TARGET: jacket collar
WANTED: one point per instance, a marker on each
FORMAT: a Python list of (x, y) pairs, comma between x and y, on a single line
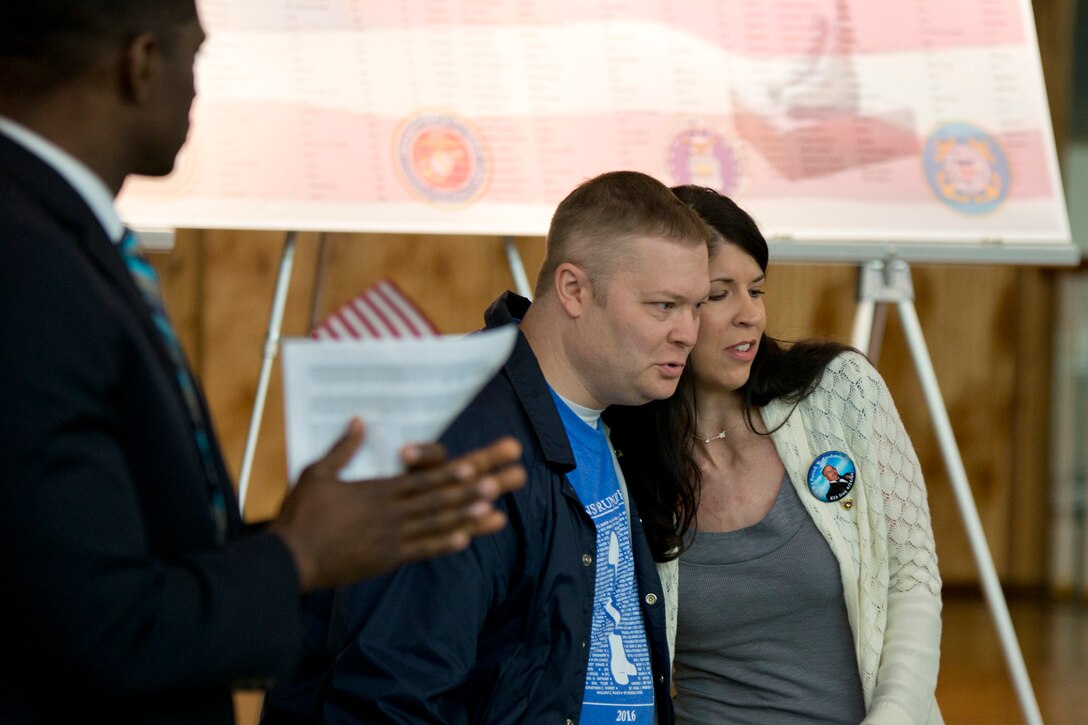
[(90, 187), (525, 376), (31, 176)]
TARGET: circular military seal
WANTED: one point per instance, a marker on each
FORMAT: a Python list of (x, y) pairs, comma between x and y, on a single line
[(699, 155), (831, 476), (966, 168), (441, 159)]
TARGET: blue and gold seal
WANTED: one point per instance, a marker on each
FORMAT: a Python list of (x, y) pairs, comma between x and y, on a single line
[(966, 168)]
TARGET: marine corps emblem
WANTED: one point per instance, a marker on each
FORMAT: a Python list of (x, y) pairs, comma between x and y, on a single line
[(441, 159)]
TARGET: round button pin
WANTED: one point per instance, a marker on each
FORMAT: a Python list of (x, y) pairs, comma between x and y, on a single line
[(831, 476)]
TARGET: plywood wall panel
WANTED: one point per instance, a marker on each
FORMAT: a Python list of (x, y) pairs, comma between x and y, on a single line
[(1029, 494), (965, 313), (975, 318)]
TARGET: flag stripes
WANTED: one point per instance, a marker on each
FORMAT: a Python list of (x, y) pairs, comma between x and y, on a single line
[(381, 310)]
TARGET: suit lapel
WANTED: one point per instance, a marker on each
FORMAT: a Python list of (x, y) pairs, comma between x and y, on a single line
[(63, 204)]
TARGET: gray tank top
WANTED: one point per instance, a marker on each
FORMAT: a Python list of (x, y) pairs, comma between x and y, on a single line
[(762, 635)]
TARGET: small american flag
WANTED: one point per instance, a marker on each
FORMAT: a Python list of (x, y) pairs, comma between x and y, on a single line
[(381, 310)]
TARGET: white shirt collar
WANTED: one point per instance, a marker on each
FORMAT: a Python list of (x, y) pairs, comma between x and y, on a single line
[(589, 415), (86, 183)]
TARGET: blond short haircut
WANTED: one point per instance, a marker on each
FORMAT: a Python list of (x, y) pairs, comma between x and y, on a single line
[(594, 224)]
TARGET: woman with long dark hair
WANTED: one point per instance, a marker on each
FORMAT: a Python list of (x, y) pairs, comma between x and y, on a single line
[(785, 505)]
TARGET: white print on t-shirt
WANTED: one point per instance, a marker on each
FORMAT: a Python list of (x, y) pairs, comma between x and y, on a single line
[(622, 668)]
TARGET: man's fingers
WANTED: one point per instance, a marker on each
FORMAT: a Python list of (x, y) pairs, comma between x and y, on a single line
[(484, 469), (502, 452), (441, 491), (454, 504), (429, 492), (342, 450), (492, 522), (423, 455), (433, 509), (446, 510), (509, 479), (442, 521), (444, 540), (485, 472)]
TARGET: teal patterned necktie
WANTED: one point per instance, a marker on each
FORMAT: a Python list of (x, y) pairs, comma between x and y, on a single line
[(147, 280)]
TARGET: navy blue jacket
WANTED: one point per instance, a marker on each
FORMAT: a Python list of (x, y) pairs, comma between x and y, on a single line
[(499, 632)]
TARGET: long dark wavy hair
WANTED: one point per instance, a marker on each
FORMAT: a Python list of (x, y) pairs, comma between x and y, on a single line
[(657, 440)]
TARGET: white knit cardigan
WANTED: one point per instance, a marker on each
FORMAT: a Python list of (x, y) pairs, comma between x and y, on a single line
[(880, 533)]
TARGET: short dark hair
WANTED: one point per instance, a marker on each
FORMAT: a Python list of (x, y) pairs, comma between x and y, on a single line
[(724, 216), (45, 44), (592, 224)]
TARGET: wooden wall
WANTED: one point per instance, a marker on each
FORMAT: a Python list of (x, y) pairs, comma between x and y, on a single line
[(988, 330)]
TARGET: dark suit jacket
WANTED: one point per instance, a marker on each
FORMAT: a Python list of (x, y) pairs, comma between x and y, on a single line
[(117, 604)]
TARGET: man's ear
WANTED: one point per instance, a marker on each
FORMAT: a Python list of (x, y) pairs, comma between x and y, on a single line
[(573, 289), (141, 67)]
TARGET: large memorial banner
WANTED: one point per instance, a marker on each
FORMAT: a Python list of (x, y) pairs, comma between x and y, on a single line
[(875, 121)]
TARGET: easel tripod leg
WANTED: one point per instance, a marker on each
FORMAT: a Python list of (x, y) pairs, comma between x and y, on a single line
[(517, 268), (991, 585), (271, 348), (862, 336)]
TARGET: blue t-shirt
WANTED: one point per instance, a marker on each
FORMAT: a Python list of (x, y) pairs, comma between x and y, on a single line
[(619, 681)]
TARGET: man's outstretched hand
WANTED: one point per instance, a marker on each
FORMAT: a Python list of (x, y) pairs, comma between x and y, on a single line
[(341, 531)]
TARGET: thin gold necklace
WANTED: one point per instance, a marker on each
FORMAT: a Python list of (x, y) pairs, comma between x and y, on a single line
[(711, 438)]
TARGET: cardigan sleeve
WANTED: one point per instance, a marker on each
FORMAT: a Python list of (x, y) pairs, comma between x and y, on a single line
[(907, 675)]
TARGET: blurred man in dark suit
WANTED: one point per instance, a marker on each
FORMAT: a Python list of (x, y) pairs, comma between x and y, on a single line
[(131, 591)]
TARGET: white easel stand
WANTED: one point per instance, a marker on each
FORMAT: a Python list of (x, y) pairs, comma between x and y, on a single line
[(272, 342), (271, 349), (517, 268), (890, 282)]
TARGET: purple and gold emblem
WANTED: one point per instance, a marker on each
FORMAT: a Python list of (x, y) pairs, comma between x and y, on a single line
[(703, 157)]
